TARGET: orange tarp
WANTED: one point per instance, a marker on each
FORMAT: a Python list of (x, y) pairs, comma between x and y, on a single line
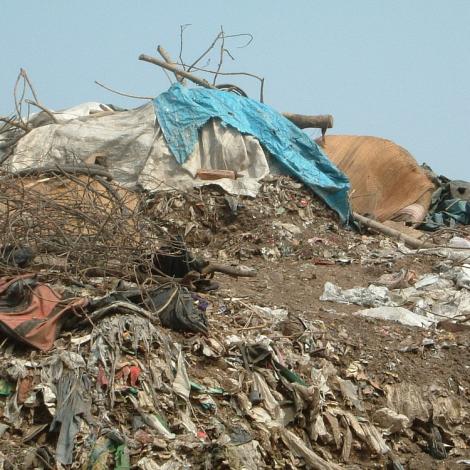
[(384, 176)]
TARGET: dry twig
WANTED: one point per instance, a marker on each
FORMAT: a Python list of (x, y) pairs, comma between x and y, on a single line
[(128, 95)]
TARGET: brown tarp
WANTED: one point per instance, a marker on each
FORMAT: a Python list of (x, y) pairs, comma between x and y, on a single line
[(385, 178)]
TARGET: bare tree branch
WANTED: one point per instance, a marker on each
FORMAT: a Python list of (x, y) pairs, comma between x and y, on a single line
[(250, 40), (175, 69), (33, 91), (200, 69), (261, 79), (204, 53), (12, 122), (167, 58), (221, 57), (182, 28), (43, 108), (15, 96), (124, 94)]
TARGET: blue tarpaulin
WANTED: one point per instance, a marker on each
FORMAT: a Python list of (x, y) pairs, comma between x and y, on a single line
[(182, 111)]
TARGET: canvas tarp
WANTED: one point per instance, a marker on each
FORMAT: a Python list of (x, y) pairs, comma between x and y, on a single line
[(183, 111), (384, 177), (132, 147)]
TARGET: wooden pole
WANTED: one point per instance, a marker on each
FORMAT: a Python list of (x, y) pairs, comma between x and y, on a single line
[(391, 232), (322, 121), (176, 70), (166, 56)]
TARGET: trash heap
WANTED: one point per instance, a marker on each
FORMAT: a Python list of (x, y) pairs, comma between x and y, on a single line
[(185, 285), (133, 359)]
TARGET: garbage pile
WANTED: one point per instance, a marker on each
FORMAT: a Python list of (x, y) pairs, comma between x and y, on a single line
[(434, 297), (124, 369), (161, 272)]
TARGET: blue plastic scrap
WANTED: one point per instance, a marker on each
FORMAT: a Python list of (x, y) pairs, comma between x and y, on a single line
[(182, 111)]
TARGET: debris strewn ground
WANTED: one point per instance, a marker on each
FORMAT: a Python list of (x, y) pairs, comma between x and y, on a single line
[(279, 379)]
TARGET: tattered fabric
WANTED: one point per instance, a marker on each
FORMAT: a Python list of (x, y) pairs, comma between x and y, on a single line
[(32, 312)]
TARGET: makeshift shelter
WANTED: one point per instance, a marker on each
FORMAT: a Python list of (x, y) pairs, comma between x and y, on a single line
[(197, 129), (386, 181)]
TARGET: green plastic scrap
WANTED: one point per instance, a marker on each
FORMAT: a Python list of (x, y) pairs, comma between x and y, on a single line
[(195, 387), (99, 455), (288, 374), (6, 388), (121, 458), (162, 420), (103, 448)]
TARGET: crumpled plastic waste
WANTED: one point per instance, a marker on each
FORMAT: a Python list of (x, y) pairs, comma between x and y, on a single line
[(390, 421), (107, 447), (450, 203), (171, 305), (372, 296), (178, 262), (19, 256), (67, 372), (176, 310), (400, 280), (459, 242), (396, 314), (434, 296)]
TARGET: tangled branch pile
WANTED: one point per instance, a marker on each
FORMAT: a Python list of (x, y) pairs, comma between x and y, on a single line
[(79, 224)]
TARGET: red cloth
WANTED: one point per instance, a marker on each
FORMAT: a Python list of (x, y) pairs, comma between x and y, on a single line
[(38, 323)]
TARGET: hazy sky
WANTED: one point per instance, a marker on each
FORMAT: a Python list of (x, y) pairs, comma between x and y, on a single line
[(394, 69)]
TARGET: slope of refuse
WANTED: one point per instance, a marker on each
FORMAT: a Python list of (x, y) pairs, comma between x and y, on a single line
[(223, 370)]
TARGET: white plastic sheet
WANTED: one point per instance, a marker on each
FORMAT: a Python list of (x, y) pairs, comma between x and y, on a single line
[(135, 151), (396, 314)]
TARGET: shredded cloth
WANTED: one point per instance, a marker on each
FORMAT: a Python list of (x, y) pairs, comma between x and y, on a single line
[(32, 312)]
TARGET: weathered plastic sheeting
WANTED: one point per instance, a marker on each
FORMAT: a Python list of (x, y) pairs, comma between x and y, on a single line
[(432, 298), (385, 178), (450, 202), (182, 111), (135, 152)]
